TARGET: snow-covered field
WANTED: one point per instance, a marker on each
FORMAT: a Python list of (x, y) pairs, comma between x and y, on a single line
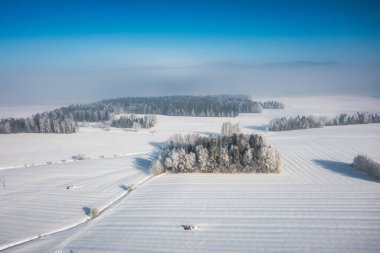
[(36, 201), (318, 204)]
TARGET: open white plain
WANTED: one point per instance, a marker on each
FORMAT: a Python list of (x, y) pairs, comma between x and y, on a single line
[(318, 204)]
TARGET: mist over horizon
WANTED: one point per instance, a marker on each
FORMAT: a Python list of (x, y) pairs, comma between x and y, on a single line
[(285, 80), (84, 51)]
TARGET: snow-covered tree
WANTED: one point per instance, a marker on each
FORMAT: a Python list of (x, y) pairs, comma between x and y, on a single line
[(247, 159), (224, 160), (186, 161), (136, 126), (269, 161), (172, 161), (7, 127), (202, 157), (157, 167), (229, 129)]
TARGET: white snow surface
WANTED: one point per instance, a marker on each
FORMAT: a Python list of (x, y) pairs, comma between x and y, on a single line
[(36, 201), (318, 204)]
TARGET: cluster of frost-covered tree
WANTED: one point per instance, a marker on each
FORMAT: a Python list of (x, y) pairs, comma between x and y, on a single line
[(298, 122), (304, 122), (368, 165), (51, 122), (358, 118), (237, 153), (62, 120), (272, 105), (134, 121)]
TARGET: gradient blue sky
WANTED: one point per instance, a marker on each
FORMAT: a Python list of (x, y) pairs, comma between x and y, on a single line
[(121, 48)]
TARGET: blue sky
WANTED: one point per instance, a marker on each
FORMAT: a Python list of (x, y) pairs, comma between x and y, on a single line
[(29, 19), (123, 43)]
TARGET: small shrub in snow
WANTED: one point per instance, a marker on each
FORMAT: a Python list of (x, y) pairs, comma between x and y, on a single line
[(94, 212), (189, 227), (368, 165), (131, 187), (81, 157), (69, 187)]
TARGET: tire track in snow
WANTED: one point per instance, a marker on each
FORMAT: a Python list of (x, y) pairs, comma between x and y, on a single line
[(72, 160), (129, 177), (101, 216)]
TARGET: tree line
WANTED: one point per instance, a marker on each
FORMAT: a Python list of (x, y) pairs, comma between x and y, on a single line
[(40, 123), (272, 105), (65, 119), (237, 153), (298, 122), (199, 106), (357, 118), (134, 121), (305, 122)]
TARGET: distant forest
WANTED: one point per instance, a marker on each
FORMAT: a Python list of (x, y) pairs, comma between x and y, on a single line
[(134, 121), (305, 122), (47, 122), (272, 105), (199, 106), (65, 119)]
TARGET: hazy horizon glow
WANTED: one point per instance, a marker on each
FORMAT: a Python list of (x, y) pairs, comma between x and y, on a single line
[(99, 49)]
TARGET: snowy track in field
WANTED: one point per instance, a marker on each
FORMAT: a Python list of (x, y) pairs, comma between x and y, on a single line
[(35, 206)]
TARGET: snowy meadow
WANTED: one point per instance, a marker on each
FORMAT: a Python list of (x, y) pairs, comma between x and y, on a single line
[(318, 203)]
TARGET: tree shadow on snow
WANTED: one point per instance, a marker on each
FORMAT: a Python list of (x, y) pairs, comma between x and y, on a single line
[(158, 145), (124, 187), (344, 169), (143, 164), (258, 127), (86, 210)]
